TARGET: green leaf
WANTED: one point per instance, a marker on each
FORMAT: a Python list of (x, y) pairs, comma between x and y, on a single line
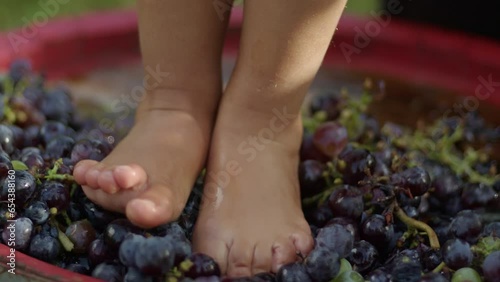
[(18, 165)]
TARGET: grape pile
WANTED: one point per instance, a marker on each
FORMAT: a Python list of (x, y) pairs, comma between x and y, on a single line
[(384, 203)]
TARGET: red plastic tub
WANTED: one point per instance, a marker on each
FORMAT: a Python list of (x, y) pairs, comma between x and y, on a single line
[(415, 54)]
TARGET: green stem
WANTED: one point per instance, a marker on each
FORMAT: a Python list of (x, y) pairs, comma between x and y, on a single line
[(65, 241), (410, 222), (439, 267)]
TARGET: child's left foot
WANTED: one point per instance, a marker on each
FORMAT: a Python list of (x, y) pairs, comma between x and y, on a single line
[(251, 219)]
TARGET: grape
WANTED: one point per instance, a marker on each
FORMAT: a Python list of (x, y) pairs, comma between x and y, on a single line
[(135, 275), (447, 185), (32, 136), (416, 179), (88, 150), (18, 69), (346, 201), (355, 164), (109, 272), (457, 254), (129, 248), (60, 146), (467, 274), (81, 233), (376, 231), (182, 249), (33, 160), (319, 216), (17, 234), (56, 195), (433, 277), (478, 196), (335, 238), (52, 129), (330, 138), (38, 212), (78, 268), (429, 257), (24, 184), (294, 272), (311, 178), (309, 151), (326, 103), (172, 229), (363, 256), (99, 252), (44, 247), (17, 136), (349, 276), (99, 217), (379, 275), (115, 232), (349, 224), (203, 266), (467, 226), (57, 105), (406, 270), (322, 264), (491, 267), (155, 255), (5, 165), (492, 229)]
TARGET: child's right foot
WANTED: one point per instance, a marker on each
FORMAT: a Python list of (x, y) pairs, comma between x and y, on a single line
[(149, 175)]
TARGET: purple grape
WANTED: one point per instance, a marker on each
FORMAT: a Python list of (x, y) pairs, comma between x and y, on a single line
[(22, 183), (379, 275), (330, 138), (322, 264), (52, 129), (81, 233), (18, 69), (326, 103), (203, 266), (467, 226), (346, 201), (309, 151), (355, 165), (99, 252), (319, 216), (56, 195), (349, 224), (336, 238), (433, 277), (457, 254), (135, 275), (88, 150), (38, 212), (117, 230), (415, 179), (109, 272), (311, 178), (44, 247), (155, 255), (491, 267), (129, 248), (17, 234), (492, 229), (59, 147), (363, 256), (376, 231), (478, 196), (293, 272)]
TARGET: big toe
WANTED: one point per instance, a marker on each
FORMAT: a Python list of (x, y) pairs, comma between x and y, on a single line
[(153, 207), (81, 169)]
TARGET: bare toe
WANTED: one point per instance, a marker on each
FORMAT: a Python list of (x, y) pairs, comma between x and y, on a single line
[(153, 207), (106, 182), (262, 259), (283, 253), (303, 242), (81, 169), (130, 176), (240, 259), (92, 175)]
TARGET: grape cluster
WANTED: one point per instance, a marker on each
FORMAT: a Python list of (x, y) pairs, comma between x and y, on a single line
[(381, 205)]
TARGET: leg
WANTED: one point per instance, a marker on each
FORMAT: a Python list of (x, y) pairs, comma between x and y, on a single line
[(251, 219), (149, 175)]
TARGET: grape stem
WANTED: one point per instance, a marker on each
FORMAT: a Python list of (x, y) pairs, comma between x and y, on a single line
[(410, 222), (439, 267)]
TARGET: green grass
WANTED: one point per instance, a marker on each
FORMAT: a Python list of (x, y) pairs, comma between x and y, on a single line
[(15, 13)]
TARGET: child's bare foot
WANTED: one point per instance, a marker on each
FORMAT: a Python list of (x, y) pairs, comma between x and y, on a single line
[(251, 219), (149, 175)]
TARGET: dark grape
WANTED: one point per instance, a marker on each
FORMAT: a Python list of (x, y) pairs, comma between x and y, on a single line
[(415, 179), (18, 69), (128, 249), (492, 229), (52, 129), (447, 185), (135, 275), (6, 139), (99, 217), (355, 165), (155, 255), (44, 247), (363, 256), (33, 160), (57, 105), (5, 165), (88, 150), (78, 268), (330, 138), (202, 266), (349, 224), (478, 196), (346, 201), (117, 230), (457, 254), (311, 178), (406, 270), (294, 272), (491, 267), (319, 216), (22, 183), (467, 226), (336, 238), (38, 212), (59, 147), (329, 104), (433, 277), (99, 252), (56, 195), (376, 231), (379, 275), (309, 151), (109, 272), (322, 264), (81, 233), (17, 234)]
